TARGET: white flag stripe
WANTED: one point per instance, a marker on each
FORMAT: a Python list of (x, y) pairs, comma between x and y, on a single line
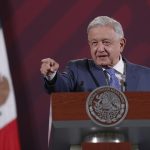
[(8, 109)]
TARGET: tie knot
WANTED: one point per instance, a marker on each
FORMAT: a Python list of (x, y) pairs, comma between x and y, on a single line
[(110, 71)]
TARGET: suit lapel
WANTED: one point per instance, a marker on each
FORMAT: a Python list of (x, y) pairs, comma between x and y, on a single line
[(97, 74), (131, 77)]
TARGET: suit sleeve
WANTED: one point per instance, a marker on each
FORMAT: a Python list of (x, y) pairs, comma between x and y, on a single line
[(63, 82)]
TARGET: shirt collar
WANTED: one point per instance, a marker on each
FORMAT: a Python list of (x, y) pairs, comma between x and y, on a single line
[(119, 67)]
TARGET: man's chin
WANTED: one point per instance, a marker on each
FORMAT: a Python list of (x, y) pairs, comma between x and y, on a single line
[(103, 64)]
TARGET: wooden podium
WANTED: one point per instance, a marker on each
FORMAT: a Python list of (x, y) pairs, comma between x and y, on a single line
[(71, 123)]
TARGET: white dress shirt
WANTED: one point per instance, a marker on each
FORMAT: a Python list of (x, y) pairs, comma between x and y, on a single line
[(119, 67)]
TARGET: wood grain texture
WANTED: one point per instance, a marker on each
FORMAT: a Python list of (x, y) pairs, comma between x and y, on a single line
[(72, 106)]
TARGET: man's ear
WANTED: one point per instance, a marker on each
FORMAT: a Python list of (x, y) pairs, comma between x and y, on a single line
[(122, 44)]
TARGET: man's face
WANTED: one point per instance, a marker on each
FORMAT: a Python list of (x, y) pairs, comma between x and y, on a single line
[(105, 45)]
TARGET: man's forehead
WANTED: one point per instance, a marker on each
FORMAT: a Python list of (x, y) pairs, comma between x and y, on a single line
[(102, 32)]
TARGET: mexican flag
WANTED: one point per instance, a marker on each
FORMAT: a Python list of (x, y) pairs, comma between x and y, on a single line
[(9, 139)]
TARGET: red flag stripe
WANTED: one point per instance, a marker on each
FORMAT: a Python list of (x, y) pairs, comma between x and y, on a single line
[(9, 137)]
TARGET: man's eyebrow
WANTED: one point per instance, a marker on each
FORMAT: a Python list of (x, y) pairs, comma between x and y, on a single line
[(92, 40)]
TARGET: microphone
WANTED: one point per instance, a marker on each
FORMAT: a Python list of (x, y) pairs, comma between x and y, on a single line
[(123, 83)]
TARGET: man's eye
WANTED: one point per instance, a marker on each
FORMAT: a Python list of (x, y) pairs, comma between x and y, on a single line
[(107, 43), (94, 43)]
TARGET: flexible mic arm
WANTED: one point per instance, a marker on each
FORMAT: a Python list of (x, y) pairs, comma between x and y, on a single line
[(123, 83)]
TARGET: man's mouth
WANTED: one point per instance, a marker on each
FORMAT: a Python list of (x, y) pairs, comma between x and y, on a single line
[(102, 56)]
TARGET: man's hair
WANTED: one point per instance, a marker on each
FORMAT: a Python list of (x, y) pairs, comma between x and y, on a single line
[(106, 21)]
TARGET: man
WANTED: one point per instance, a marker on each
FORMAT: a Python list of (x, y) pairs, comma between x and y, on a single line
[(106, 41)]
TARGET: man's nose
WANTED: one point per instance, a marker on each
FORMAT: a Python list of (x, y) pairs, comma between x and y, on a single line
[(100, 47)]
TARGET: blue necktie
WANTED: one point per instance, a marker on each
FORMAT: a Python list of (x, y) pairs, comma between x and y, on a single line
[(114, 82)]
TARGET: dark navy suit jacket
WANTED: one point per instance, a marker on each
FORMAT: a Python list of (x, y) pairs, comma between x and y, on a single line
[(84, 75)]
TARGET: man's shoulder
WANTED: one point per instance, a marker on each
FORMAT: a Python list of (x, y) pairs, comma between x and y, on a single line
[(81, 64), (138, 67), (82, 60)]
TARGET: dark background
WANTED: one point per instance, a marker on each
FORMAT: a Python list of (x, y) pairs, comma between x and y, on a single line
[(36, 29)]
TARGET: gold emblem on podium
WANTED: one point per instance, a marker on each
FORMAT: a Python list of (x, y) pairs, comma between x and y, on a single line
[(106, 106)]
